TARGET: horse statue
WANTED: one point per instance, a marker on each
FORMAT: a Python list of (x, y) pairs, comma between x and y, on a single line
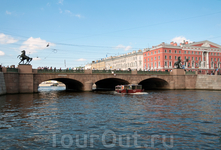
[(178, 63), (23, 57)]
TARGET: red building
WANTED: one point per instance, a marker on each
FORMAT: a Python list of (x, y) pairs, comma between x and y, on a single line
[(203, 56)]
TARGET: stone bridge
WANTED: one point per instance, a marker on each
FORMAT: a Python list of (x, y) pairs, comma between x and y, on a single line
[(24, 79)]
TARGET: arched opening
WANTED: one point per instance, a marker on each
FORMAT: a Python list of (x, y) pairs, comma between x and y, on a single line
[(109, 84), (154, 84), (68, 84)]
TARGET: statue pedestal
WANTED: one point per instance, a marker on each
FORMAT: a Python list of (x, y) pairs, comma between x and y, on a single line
[(178, 72), (25, 68)]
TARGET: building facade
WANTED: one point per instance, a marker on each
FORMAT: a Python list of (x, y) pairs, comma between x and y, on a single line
[(204, 56), (132, 60)]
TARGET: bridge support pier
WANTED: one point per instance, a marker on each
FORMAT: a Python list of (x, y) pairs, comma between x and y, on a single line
[(25, 79), (88, 86)]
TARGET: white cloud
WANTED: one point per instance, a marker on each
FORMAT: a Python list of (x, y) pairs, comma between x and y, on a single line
[(2, 53), (72, 14), (81, 59), (32, 45), (126, 48), (36, 58), (179, 39), (60, 11), (60, 2), (7, 39), (8, 12)]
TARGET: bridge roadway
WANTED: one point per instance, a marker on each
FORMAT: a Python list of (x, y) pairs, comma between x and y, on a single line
[(26, 80)]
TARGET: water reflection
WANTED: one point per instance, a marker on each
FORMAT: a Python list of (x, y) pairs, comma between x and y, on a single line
[(191, 117)]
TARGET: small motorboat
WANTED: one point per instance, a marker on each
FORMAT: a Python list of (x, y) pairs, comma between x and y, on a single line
[(131, 88)]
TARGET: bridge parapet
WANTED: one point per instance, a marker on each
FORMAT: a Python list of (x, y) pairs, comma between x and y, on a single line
[(59, 71)]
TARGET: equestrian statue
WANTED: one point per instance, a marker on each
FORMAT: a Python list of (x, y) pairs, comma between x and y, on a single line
[(23, 57), (178, 64)]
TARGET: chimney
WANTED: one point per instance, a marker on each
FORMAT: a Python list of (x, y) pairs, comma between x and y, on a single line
[(171, 43), (186, 42), (175, 44)]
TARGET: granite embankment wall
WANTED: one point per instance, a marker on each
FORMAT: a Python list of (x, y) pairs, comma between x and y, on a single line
[(2, 84), (208, 82)]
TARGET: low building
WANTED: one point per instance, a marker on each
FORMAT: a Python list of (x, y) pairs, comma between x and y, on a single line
[(132, 60)]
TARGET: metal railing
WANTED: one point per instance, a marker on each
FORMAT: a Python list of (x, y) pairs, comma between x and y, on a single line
[(154, 72), (111, 72), (190, 73), (59, 71), (12, 70)]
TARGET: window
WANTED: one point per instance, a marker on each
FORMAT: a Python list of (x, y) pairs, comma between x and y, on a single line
[(148, 59), (214, 59), (151, 58), (158, 64), (170, 64), (199, 58), (158, 57), (218, 59), (185, 57), (169, 57), (175, 57), (179, 52), (192, 58), (155, 58), (165, 50), (165, 56), (155, 52), (211, 59), (151, 53), (144, 60), (214, 54), (184, 52), (155, 64), (217, 54), (158, 51), (148, 54), (188, 52), (199, 52), (165, 63), (169, 51), (175, 51), (145, 55), (192, 52), (189, 58), (211, 53), (196, 58), (195, 52)]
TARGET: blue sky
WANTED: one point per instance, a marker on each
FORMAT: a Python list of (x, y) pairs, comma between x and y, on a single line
[(79, 31)]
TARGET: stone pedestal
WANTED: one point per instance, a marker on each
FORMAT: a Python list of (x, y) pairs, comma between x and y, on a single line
[(25, 79), (178, 72), (25, 68)]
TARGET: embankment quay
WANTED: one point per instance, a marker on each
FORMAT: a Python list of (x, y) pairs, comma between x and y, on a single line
[(25, 79)]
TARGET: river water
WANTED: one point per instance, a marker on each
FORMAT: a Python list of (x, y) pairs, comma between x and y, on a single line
[(53, 118)]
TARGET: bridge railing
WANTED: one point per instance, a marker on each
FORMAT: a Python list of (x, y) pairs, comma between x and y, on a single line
[(59, 71), (111, 72), (12, 70), (190, 73), (154, 72)]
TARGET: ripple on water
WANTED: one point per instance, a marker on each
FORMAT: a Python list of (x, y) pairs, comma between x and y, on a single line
[(191, 119)]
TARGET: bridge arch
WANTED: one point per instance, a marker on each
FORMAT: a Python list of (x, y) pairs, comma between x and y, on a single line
[(109, 83), (154, 84), (71, 84)]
